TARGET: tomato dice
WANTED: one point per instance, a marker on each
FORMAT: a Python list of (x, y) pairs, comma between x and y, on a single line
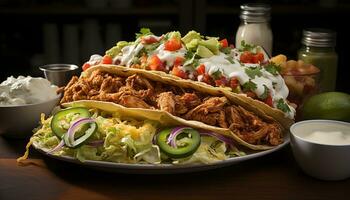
[(246, 57), (201, 69), (207, 79), (155, 63), (107, 59), (268, 101), (224, 43), (178, 61), (257, 58), (234, 83), (173, 44), (149, 40), (251, 94), (86, 66), (221, 82), (178, 72)]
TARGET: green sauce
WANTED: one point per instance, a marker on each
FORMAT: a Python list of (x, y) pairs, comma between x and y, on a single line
[(326, 59)]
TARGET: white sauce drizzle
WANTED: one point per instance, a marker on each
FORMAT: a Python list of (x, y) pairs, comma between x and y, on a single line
[(274, 83)]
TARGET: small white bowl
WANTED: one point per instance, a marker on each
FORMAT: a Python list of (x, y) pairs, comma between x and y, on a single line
[(322, 161), (19, 121)]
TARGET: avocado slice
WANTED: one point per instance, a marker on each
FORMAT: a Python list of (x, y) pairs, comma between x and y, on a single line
[(192, 45), (191, 36), (174, 34), (114, 51), (212, 44), (203, 52)]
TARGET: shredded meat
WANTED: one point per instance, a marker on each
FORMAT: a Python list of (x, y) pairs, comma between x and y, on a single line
[(209, 112), (133, 102), (186, 102), (137, 91), (166, 102)]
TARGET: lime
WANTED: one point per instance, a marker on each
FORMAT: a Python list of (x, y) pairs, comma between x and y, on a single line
[(329, 105)]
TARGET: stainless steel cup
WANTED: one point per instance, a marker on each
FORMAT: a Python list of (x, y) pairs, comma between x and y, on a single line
[(59, 74)]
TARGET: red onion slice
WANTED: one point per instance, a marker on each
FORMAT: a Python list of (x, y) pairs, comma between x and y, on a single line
[(96, 143), (174, 133), (74, 126), (57, 148)]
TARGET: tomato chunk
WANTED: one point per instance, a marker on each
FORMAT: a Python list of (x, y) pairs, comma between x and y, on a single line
[(268, 101), (257, 58), (173, 44), (201, 69), (221, 82), (246, 57), (178, 61), (107, 59), (207, 79), (86, 66), (224, 43), (251, 94), (155, 63), (178, 72), (234, 83)]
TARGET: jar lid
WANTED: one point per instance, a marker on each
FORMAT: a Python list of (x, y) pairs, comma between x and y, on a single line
[(317, 37), (255, 12)]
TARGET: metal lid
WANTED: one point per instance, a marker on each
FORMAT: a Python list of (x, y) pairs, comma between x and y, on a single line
[(317, 37), (255, 12)]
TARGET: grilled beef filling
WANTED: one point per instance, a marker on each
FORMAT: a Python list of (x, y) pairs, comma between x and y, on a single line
[(138, 92)]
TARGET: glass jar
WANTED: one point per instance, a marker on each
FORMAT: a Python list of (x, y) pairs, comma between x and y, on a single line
[(255, 27), (318, 49)]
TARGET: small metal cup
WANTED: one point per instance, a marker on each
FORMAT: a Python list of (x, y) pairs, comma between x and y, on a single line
[(59, 74)]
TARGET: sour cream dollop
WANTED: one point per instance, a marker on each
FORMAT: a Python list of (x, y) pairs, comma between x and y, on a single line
[(26, 90)]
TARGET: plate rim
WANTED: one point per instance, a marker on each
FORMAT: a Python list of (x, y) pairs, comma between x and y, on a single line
[(160, 168)]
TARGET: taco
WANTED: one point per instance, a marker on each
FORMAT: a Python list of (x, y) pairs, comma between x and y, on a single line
[(201, 59), (104, 131), (251, 123)]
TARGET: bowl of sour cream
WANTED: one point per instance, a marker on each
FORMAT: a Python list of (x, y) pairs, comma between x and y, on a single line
[(22, 100), (322, 148)]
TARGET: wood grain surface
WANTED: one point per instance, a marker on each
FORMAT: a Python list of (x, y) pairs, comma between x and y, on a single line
[(274, 176)]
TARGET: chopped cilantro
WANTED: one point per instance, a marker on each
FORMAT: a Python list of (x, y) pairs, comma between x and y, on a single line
[(283, 106), (246, 47), (266, 93), (249, 86), (216, 75), (226, 50), (253, 71), (152, 47), (189, 55), (143, 32), (273, 68), (230, 59)]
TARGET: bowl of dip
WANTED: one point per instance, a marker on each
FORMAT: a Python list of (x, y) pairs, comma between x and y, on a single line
[(321, 148), (22, 100)]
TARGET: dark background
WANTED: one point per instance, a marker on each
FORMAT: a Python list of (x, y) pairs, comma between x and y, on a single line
[(38, 32)]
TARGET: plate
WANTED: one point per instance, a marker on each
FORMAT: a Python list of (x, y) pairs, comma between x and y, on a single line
[(161, 168)]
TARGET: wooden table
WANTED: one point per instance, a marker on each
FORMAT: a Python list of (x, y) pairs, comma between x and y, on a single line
[(275, 176)]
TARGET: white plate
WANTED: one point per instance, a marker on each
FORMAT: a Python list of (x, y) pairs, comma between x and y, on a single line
[(162, 168)]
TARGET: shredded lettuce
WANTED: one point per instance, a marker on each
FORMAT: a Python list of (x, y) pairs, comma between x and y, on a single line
[(127, 141)]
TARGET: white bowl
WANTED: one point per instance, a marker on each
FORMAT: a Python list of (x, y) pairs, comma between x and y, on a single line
[(19, 121), (322, 161)]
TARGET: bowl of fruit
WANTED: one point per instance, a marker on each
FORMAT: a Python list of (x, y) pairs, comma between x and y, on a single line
[(302, 79)]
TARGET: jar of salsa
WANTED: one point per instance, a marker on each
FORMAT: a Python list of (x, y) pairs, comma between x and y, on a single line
[(318, 49)]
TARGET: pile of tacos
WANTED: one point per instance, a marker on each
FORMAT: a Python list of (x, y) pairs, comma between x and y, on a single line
[(172, 100)]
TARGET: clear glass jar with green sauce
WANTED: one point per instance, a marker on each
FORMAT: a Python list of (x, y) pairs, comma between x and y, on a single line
[(319, 49)]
